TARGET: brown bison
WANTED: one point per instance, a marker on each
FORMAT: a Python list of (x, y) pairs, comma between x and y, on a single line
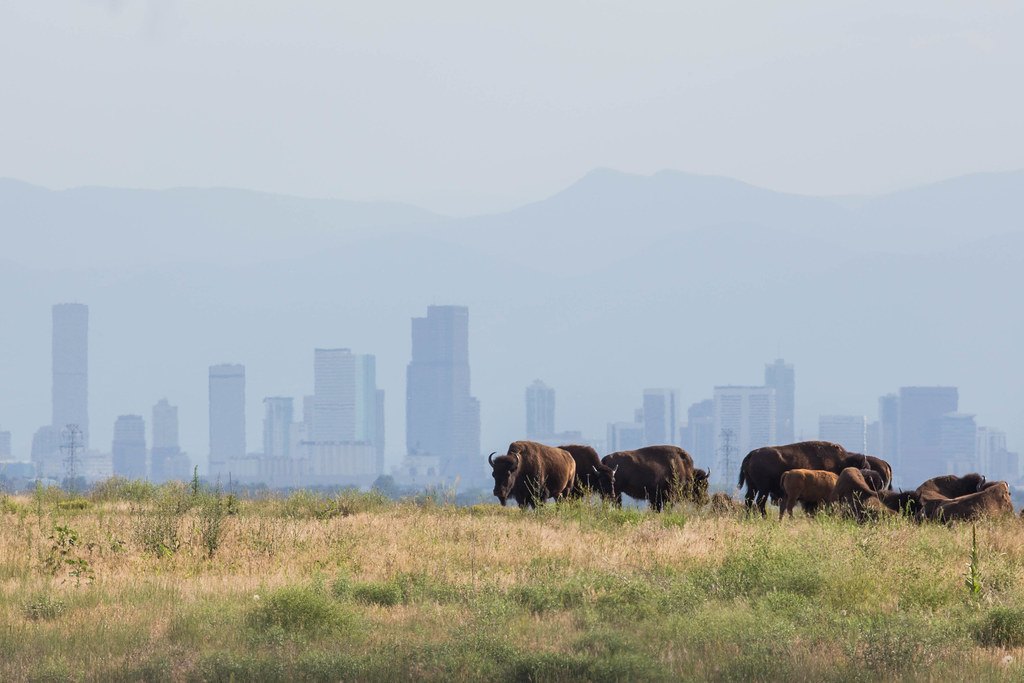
[(763, 468), (657, 474), (951, 486), (531, 473), (591, 473), (860, 493), (805, 486), (992, 500)]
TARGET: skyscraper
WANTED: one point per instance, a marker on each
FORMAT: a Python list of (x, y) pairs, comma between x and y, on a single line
[(744, 420), (625, 436), (660, 416), (442, 417), (540, 411), (849, 431), (70, 391), (46, 452), (227, 416), (166, 460), (699, 434), (344, 397), (128, 450), (889, 427), (920, 413), (781, 377), (277, 426), (958, 444)]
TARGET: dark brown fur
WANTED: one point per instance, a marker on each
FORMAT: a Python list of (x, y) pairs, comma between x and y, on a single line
[(992, 500), (763, 468), (857, 493), (657, 474), (531, 473), (950, 486), (805, 486), (587, 479)]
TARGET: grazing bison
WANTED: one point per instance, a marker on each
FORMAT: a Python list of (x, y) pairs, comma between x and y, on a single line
[(951, 486), (859, 492), (657, 474), (883, 469), (591, 473), (811, 487), (531, 473), (992, 500), (763, 468), (904, 502)]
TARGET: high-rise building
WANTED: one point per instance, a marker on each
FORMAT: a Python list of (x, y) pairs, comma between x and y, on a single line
[(849, 431), (781, 377), (71, 368), (744, 420), (625, 436), (889, 428), (442, 417), (344, 397), (540, 411), (920, 414), (227, 416), (958, 444), (378, 441), (277, 426), (699, 434), (660, 416), (166, 461), (128, 450), (874, 437), (994, 460), (46, 452)]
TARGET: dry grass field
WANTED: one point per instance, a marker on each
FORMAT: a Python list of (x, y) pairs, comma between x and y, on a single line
[(133, 582)]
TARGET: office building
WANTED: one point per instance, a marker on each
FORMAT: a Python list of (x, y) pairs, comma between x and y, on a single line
[(849, 431), (699, 433), (744, 420), (46, 453), (128, 450), (958, 443), (781, 377), (277, 426), (442, 416), (888, 428), (625, 436), (227, 417), (344, 397), (920, 414), (70, 355), (540, 411), (166, 461), (660, 417)]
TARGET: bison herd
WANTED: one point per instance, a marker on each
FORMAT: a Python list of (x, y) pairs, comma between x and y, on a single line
[(812, 474)]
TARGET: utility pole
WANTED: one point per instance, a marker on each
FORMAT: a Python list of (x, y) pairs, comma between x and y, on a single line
[(725, 450), (70, 442)]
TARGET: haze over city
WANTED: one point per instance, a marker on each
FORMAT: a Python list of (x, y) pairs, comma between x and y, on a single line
[(623, 198)]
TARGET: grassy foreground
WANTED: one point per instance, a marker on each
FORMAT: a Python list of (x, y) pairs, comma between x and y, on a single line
[(138, 583)]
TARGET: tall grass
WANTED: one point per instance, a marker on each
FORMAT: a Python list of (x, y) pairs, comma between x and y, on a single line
[(350, 586)]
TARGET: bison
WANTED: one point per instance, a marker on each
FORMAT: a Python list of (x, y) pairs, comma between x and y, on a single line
[(591, 473), (951, 486), (993, 499), (811, 487), (657, 474), (531, 473), (860, 493), (763, 468)]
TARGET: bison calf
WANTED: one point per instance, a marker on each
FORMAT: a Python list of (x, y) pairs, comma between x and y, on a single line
[(811, 487)]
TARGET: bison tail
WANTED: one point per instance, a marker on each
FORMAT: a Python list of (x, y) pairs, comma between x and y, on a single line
[(743, 471)]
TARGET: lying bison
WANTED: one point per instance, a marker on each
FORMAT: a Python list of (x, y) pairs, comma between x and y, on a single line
[(763, 468), (951, 486), (531, 473), (591, 473), (811, 487), (657, 474), (992, 500)]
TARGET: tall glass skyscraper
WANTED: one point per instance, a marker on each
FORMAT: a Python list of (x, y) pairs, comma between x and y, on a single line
[(71, 368), (540, 410), (227, 416), (781, 377), (442, 417)]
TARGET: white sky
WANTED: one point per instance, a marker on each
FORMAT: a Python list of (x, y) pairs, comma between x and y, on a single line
[(467, 106)]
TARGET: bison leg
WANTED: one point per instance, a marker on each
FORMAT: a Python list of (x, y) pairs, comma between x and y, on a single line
[(749, 496), (762, 500)]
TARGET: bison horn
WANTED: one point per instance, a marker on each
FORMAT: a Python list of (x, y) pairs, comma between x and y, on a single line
[(596, 471), (615, 469), (518, 459), (490, 459)]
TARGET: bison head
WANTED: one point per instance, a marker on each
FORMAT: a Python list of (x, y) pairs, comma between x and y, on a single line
[(973, 482), (603, 480), (504, 469), (699, 491)]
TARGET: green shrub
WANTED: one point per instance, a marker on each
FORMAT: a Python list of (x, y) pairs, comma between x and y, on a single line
[(384, 593), (1002, 627), (44, 607), (298, 608), (74, 504), (119, 489)]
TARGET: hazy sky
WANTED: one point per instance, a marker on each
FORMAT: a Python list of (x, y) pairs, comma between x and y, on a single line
[(466, 106)]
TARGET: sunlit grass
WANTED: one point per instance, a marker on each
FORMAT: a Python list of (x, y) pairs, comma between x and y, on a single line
[(310, 587)]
